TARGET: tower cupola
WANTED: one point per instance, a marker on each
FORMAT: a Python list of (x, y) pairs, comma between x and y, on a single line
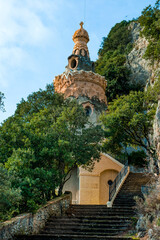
[(80, 60), (81, 38), (79, 79)]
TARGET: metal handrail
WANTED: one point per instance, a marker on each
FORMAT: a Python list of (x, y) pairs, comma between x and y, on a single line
[(117, 181)]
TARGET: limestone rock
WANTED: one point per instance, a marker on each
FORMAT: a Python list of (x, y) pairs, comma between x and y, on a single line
[(150, 234), (140, 69), (141, 224), (143, 73), (141, 234), (156, 135)]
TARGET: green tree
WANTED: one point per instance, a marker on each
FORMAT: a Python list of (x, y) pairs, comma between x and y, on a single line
[(150, 22), (43, 142), (11, 132), (112, 59), (129, 121), (36, 182), (9, 197)]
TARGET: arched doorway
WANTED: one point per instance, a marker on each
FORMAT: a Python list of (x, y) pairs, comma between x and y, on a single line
[(106, 178)]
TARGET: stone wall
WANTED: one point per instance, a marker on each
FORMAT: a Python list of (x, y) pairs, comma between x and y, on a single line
[(32, 223)]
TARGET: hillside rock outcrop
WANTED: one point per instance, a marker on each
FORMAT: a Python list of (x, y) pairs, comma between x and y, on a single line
[(143, 73), (156, 135)]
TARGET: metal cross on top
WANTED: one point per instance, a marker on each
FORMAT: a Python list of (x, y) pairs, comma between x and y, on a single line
[(81, 24)]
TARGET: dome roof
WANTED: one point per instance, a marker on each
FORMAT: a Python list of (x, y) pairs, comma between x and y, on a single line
[(81, 33)]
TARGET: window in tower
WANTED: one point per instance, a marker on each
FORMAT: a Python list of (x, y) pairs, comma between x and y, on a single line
[(73, 63), (88, 111)]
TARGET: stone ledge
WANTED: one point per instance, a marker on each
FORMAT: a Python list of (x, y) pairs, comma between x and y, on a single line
[(29, 223)]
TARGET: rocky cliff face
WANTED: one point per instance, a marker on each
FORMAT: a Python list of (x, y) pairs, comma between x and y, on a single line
[(140, 70), (156, 135), (143, 73)]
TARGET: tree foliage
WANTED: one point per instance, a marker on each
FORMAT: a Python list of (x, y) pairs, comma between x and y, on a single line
[(43, 142), (137, 158), (150, 22), (112, 58), (9, 197), (129, 121)]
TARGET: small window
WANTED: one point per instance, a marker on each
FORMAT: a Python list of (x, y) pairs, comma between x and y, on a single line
[(73, 63), (88, 111), (110, 182)]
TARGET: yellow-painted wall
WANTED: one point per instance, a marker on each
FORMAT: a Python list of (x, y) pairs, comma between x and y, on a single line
[(104, 186), (94, 188), (89, 190)]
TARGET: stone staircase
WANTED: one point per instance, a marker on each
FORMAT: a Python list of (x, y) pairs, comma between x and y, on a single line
[(96, 221)]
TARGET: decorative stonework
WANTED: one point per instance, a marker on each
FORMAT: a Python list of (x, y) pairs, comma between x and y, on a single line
[(81, 38), (79, 80), (81, 83)]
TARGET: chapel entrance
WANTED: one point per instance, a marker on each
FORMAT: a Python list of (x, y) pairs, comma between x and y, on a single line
[(106, 178)]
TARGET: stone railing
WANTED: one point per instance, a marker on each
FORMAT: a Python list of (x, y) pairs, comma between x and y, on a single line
[(29, 223)]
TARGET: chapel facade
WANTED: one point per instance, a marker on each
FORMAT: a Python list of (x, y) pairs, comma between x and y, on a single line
[(80, 81)]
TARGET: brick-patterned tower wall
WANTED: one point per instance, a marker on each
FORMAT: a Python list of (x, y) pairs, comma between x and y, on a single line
[(81, 83)]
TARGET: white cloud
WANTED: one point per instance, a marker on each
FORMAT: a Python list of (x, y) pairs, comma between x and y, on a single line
[(24, 25)]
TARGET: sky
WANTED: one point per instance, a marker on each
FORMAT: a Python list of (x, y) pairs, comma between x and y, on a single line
[(36, 39)]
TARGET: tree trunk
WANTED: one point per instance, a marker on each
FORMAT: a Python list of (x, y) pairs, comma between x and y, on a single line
[(60, 189)]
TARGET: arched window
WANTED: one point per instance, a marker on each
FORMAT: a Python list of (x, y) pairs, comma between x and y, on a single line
[(88, 111), (73, 63)]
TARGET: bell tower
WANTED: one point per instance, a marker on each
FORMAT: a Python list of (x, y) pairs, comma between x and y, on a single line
[(79, 79), (80, 55)]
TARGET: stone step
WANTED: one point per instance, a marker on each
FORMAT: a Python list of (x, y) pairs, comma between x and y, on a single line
[(63, 225), (97, 220), (79, 208), (111, 214), (66, 237), (85, 232), (101, 212), (85, 229), (83, 225)]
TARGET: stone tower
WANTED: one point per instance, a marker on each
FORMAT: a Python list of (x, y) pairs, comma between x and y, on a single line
[(79, 79)]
